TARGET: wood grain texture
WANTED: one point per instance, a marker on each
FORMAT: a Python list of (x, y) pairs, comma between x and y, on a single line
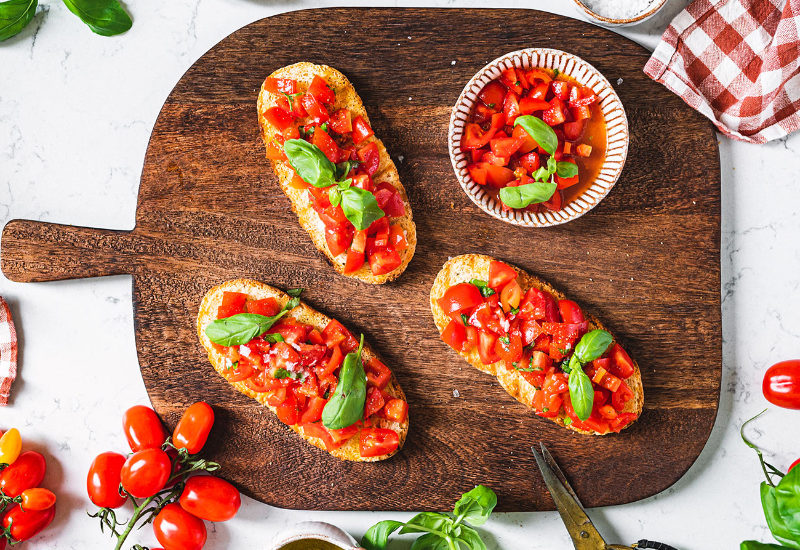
[(646, 261)]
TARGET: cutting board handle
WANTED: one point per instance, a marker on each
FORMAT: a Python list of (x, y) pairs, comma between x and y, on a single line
[(32, 251)]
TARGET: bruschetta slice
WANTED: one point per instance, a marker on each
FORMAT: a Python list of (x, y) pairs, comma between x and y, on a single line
[(520, 329), (306, 368), (341, 181)]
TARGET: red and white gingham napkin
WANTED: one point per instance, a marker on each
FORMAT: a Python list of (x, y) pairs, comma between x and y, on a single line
[(8, 352), (738, 63)]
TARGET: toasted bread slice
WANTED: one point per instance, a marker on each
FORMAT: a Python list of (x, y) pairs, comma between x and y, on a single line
[(346, 97), (476, 266), (304, 314)]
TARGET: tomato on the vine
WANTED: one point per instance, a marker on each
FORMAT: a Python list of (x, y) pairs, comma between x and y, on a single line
[(177, 529), (193, 428), (145, 472), (782, 384), (37, 499), (103, 480), (25, 524), (210, 498), (26, 472), (143, 428)]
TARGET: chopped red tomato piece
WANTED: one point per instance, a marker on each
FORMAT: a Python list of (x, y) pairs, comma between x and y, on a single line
[(570, 311), (315, 109), (334, 334), (459, 298), (280, 85), (384, 260), (454, 335), (322, 140), (499, 274), (486, 348), (510, 296), (492, 94), (313, 410), (509, 348), (378, 374), (374, 402), (341, 122), (396, 410), (622, 363), (232, 303), (265, 306), (320, 90), (361, 130), (370, 158), (378, 442), (279, 118)]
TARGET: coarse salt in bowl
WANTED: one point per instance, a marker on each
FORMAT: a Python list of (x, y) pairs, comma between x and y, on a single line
[(616, 135)]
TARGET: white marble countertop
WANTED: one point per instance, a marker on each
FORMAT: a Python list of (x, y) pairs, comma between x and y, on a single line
[(76, 112)]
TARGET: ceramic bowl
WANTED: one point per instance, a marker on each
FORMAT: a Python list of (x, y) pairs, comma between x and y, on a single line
[(616, 130), (608, 22), (315, 530)]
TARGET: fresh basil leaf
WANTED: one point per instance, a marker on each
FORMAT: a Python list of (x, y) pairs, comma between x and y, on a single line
[(334, 196), (273, 338), (292, 303), (552, 165), (483, 286), (346, 406), (592, 345), (377, 536), (310, 163), (783, 527), (471, 538), (295, 292), (285, 373), (581, 392), (15, 16), (360, 207), (344, 184), (566, 169), (465, 319), (431, 541), (239, 329), (425, 521), (787, 502), (527, 194), (475, 506), (343, 168), (540, 131), (104, 17), (755, 545)]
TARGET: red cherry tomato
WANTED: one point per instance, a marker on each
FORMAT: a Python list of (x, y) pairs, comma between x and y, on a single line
[(795, 463), (177, 529), (143, 428), (37, 499), (192, 430), (145, 472), (26, 472), (210, 498), (25, 524), (782, 384), (103, 480)]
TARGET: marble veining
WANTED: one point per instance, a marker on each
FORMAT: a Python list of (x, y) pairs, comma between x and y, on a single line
[(76, 111)]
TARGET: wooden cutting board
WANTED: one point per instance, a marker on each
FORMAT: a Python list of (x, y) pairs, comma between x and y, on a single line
[(646, 260)]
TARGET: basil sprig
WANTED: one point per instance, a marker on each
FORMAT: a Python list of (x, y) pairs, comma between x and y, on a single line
[(441, 531), (239, 329), (15, 16), (313, 167), (105, 17), (542, 187), (483, 286), (590, 347), (781, 502), (346, 405)]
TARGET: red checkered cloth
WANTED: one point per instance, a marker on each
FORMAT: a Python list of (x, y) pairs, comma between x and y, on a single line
[(8, 352), (738, 63)]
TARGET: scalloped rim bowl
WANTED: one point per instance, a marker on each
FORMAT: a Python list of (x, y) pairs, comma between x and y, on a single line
[(617, 136)]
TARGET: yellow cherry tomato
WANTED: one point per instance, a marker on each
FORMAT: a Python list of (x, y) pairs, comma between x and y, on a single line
[(10, 446)]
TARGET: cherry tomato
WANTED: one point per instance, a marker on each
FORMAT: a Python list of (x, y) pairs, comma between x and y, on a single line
[(26, 472), (210, 498), (192, 430), (782, 384), (795, 463), (25, 524), (177, 529), (145, 472), (143, 428), (103, 480), (37, 499), (10, 446)]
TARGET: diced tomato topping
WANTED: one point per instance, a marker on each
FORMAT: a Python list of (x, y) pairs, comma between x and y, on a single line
[(459, 298), (454, 335), (313, 410), (486, 348), (370, 157), (279, 118), (378, 374), (361, 130), (510, 296), (232, 303), (492, 94), (334, 334), (322, 140), (320, 90), (315, 109), (509, 348), (396, 410), (384, 260), (378, 442), (622, 363), (389, 200), (499, 274), (338, 239), (280, 85), (374, 402), (341, 122), (265, 306)]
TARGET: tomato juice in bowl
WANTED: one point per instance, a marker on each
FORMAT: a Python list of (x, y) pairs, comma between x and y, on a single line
[(542, 121)]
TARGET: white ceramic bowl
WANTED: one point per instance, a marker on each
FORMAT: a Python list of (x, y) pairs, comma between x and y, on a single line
[(315, 530), (616, 135), (608, 22)]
